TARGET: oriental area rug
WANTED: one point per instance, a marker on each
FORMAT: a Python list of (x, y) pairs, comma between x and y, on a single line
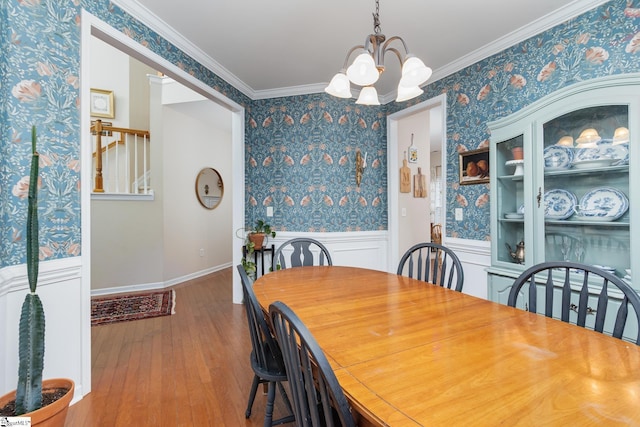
[(123, 308)]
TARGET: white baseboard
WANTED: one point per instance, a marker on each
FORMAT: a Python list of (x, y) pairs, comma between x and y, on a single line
[(152, 286)]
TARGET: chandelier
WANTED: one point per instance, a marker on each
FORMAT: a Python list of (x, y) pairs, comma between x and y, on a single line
[(369, 65)]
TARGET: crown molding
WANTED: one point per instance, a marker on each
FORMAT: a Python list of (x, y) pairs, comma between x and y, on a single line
[(565, 13), (144, 15), (290, 91)]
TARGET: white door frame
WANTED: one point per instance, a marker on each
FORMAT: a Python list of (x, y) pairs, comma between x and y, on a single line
[(393, 167)]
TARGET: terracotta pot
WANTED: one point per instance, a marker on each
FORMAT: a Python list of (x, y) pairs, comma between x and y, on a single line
[(52, 415), (257, 239), (517, 153)]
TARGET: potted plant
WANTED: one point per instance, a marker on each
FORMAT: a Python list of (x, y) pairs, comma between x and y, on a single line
[(515, 145), (253, 238), (46, 403), (257, 234)]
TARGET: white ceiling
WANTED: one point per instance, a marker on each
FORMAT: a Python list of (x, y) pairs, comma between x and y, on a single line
[(287, 47)]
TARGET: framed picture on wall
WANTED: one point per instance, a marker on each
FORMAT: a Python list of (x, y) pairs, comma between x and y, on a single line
[(101, 102), (474, 166)]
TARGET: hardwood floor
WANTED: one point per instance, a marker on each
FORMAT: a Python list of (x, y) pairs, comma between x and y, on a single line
[(188, 369)]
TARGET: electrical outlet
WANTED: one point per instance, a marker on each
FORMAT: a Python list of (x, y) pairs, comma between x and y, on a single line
[(404, 212), (201, 252), (458, 214), (269, 210)]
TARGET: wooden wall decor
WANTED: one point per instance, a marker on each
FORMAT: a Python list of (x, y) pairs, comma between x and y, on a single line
[(419, 184), (405, 176)]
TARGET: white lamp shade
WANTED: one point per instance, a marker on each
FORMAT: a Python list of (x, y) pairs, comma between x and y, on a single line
[(414, 72), (407, 93), (339, 86), (363, 71), (368, 96)]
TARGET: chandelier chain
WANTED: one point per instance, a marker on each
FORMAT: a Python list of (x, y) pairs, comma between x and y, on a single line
[(376, 19), (369, 65)]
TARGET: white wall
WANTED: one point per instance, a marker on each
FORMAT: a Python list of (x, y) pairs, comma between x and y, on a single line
[(139, 94), (126, 244), (110, 71), (413, 212), (195, 238)]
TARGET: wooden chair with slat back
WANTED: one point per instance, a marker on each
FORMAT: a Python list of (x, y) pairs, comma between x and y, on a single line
[(318, 399), (302, 251), (585, 290), (266, 356), (432, 263)]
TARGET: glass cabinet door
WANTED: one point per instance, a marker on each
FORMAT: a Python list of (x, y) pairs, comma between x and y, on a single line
[(510, 200), (586, 187)]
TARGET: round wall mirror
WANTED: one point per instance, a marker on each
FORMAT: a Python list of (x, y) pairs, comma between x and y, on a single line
[(209, 188)]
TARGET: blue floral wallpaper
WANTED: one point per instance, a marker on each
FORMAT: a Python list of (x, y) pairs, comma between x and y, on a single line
[(300, 150), (301, 160)]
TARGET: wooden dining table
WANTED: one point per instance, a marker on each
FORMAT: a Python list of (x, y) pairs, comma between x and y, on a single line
[(409, 353)]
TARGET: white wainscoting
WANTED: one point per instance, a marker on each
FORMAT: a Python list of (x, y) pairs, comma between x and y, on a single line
[(366, 249), (67, 312), (475, 257)]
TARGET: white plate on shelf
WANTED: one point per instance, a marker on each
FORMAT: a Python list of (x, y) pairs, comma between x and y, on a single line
[(593, 218), (559, 204), (604, 267), (513, 215), (557, 157), (594, 163), (602, 204), (608, 150)]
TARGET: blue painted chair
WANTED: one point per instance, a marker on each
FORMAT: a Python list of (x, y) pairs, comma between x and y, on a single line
[(266, 357), (298, 252), (432, 263), (318, 399), (591, 286)]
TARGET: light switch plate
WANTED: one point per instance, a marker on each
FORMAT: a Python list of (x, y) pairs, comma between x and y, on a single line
[(269, 210), (458, 214)]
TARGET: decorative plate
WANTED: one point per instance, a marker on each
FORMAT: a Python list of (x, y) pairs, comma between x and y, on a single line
[(605, 203), (610, 151), (513, 215), (605, 268), (582, 217), (557, 157), (559, 204), (594, 163), (521, 209), (584, 154)]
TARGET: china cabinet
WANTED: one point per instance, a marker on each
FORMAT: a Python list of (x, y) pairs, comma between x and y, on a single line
[(570, 197)]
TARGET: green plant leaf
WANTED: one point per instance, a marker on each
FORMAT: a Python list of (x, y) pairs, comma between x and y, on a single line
[(31, 355), (33, 246)]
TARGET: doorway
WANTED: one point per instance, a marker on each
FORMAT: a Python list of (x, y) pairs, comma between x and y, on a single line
[(94, 27), (411, 214)]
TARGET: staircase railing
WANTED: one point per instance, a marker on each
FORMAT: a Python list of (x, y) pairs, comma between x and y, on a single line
[(121, 159)]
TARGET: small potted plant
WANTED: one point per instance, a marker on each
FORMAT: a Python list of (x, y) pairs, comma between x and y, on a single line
[(45, 402), (253, 238), (259, 232), (515, 145)]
